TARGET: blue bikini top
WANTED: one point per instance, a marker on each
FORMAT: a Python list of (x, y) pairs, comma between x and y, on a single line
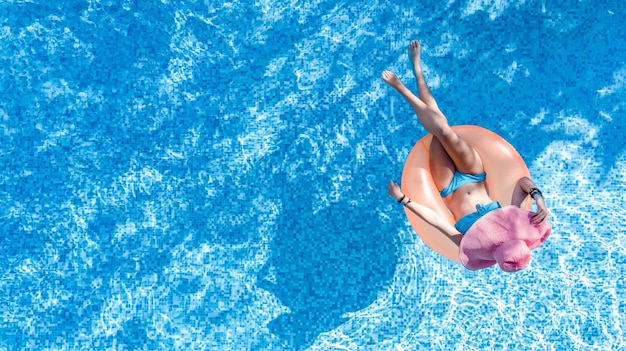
[(464, 224)]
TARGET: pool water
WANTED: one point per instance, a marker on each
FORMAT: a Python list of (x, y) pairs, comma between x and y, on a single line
[(211, 175)]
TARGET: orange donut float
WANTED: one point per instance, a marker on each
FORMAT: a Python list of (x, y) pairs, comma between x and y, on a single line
[(504, 167)]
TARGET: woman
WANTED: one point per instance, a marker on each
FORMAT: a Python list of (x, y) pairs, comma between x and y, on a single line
[(456, 167)]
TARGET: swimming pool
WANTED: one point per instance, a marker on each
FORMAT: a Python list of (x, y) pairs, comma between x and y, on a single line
[(210, 175)]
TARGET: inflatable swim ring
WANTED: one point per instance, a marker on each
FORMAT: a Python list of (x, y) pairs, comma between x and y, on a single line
[(503, 165)]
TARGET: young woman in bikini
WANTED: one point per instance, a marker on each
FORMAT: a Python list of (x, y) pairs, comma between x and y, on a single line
[(456, 167)]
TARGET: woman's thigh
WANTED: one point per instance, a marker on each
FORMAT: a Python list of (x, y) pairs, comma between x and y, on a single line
[(441, 165), (464, 158)]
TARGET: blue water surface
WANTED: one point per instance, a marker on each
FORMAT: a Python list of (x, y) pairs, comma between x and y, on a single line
[(210, 175)]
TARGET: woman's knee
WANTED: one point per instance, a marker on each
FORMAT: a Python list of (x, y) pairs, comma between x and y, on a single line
[(445, 134)]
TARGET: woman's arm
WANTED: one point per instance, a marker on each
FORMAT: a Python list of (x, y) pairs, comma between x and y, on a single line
[(427, 214), (525, 186)]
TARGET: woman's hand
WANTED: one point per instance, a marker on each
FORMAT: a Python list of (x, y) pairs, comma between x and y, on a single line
[(520, 193), (542, 211), (426, 213), (394, 190)]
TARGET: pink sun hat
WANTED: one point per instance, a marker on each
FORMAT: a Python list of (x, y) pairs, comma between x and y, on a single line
[(504, 236)]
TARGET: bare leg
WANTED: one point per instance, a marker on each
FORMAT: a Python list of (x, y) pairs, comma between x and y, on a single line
[(441, 165), (464, 157), (422, 88)]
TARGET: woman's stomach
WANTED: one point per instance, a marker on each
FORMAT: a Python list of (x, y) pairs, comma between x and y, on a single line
[(463, 201)]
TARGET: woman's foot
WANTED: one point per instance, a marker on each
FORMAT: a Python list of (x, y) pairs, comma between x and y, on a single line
[(392, 80), (414, 54)]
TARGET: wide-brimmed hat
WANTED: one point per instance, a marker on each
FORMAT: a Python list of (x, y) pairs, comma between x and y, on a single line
[(504, 236)]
